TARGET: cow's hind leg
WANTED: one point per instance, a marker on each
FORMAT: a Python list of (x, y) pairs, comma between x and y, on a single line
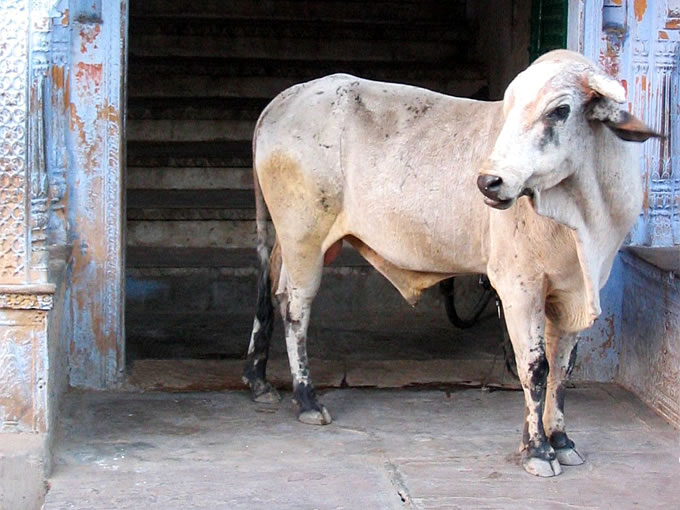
[(254, 374), (561, 351), (525, 318), (298, 286)]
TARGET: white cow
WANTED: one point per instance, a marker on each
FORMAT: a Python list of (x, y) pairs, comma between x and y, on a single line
[(397, 172)]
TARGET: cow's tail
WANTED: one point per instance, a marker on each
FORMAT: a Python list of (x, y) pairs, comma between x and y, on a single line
[(265, 307), (261, 223), (254, 373)]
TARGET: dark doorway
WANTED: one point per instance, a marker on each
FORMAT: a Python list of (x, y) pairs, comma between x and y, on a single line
[(199, 75)]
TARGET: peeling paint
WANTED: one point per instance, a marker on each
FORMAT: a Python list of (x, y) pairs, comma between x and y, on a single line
[(610, 57), (89, 76), (88, 37), (640, 7)]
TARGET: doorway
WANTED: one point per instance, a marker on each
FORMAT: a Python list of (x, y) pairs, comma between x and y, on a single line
[(198, 77)]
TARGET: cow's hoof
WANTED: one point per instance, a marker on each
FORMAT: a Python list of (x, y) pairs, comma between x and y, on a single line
[(540, 467), (569, 456), (264, 393), (314, 417)]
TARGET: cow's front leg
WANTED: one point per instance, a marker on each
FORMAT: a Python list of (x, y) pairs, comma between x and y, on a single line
[(295, 303), (561, 352), (525, 318)]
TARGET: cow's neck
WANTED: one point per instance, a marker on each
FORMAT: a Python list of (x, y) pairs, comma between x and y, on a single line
[(600, 203)]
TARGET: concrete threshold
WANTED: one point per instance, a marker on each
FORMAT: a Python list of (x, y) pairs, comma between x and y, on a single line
[(386, 449), (219, 375), (24, 462)]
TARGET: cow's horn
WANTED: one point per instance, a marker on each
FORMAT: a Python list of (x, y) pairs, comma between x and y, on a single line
[(607, 87)]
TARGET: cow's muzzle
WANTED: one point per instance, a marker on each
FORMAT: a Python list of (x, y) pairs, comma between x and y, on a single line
[(490, 186)]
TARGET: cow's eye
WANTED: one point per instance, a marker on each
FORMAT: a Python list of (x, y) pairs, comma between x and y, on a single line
[(560, 113)]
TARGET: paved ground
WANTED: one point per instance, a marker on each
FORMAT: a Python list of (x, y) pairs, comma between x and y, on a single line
[(386, 449)]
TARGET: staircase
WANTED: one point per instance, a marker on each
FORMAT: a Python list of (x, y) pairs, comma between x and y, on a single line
[(199, 75)]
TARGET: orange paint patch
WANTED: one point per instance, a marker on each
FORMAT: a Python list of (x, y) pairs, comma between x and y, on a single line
[(88, 78), (75, 121), (663, 35), (640, 8), (617, 2), (673, 24), (109, 113), (58, 76), (88, 36), (91, 72), (65, 18)]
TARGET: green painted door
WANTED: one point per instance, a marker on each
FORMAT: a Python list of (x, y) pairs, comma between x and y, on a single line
[(548, 26)]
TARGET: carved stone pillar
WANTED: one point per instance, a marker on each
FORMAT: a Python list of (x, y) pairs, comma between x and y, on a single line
[(23, 358), (25, 294)]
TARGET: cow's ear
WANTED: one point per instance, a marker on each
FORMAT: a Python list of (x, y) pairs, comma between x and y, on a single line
[(599, 84), (630, 128), (604, 94)]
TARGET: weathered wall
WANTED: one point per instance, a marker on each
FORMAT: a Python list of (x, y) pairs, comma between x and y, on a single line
[(638, 42), (27, 198), (650, 336), (599, 346), (95, 191)]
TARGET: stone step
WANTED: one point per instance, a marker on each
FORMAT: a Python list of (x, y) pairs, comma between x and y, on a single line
[(302, 40), (166, 178), (439, 30), (212, 154), (196, 108), (193, 219), (203, 218), (180, 205), (193, 119), (295, 10), (189, 130), (164, 261), (265, 78), (183, 280), (194, 228), (204, 311)]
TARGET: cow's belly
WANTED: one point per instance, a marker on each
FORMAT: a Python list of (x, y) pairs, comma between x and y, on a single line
[(414, 238)]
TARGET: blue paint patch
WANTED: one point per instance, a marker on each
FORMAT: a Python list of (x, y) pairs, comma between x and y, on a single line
[(143, 290)]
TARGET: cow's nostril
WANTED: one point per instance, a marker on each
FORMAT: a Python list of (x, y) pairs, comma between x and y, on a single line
[(487, 182)]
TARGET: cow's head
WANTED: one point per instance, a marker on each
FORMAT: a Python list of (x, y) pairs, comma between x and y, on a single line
[(552, 111)]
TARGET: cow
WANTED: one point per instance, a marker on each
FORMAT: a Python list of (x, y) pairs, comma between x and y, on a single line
[(537, 191)]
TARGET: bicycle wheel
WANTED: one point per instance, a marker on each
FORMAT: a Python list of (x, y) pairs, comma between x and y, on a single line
[(464, 309)]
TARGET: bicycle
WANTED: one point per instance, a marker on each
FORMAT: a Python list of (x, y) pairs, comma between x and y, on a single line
[(465, 317)]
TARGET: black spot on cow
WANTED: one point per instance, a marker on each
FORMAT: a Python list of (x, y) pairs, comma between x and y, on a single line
[(289, 317), (549, 136), (572, 360), (305, 397), (538, 370), (559, 439)]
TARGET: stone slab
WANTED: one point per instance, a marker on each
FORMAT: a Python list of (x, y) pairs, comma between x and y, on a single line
[(406, 449), (23, 464)]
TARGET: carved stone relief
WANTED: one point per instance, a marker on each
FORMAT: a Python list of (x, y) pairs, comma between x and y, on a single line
[(13, 102), (23, 375)]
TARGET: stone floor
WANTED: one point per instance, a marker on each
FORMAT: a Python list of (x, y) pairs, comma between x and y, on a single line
[(445, 448)]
